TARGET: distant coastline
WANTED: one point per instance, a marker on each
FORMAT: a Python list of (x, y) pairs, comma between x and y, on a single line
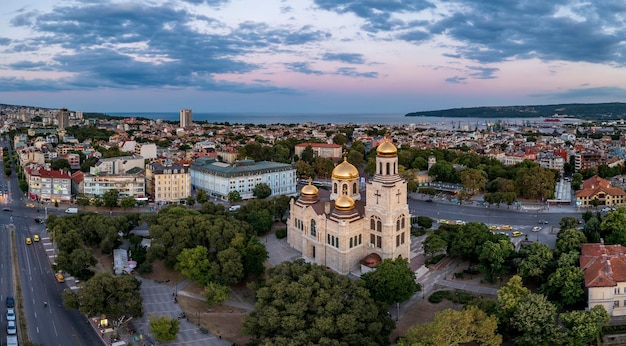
[(613, 110)]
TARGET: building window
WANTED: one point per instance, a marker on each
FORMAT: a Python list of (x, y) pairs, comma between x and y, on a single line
[(372, 239), (402, 238), (397, 225), (373, 224), (359, 239), (354, 189), (335, 188), (402, 222), (379, 226), (397, 240), (328, 239), (616, 304), (313, 231), (617, 290), (351, 243), (379, 241)]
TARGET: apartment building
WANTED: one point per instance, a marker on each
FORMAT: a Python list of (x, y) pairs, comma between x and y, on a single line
[(46, 184), (167, 183)]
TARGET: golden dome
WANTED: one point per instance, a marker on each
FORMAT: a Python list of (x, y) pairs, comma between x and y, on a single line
[(344, 203), (309, 190), (345, 170), (386, 149)]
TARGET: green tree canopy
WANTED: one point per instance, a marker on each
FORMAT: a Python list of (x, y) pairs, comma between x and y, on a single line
[(569, 240), (392, 281), (164, 328), (110, 198), (118, 297), (306, 304), (202, 197), (434, 244), (194, 265), (262, 191), (473, 179), (234, 197), (535, 321), (452, 327), (583, 326), (535, 260)]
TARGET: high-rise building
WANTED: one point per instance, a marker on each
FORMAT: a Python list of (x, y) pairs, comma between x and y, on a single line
[(64, 118), (185, 118)]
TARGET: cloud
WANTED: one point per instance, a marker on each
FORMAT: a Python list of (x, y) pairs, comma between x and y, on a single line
[(132, 45), (352, 72), (213, 3), (378, 15), (29, 65), (581, 93), (456, 80), (4, 41), (483, 72), (305, 68), (349, 58)]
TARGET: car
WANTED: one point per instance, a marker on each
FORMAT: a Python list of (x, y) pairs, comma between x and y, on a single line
[(507, 228), (29, 241), (11, 328), (606, 209), (429, 200), (7, 209), (443, 222), (30, 205), (542, 222), (11, 314), (459, 222), (536, 229), (10, 302), (36, 237), (517, 234), (494, 228), (59, 277), (39, 220)]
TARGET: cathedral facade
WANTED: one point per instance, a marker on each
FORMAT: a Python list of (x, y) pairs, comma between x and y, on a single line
[(348, 232)]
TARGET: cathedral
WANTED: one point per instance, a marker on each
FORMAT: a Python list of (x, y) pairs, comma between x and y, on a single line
[(348, 232)]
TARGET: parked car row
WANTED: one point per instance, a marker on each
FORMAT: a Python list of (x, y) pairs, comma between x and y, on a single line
[(11, 326)]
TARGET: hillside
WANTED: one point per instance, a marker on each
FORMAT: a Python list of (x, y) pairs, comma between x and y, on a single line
[(612, 110)]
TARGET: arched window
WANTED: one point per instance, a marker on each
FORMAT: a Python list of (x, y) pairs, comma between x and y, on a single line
[(344, 189), (373, 224), (402, 222), (350, 242), (335, 188), (397, 225), (387, 168), (354, 190), (380, 168), (313, 230), (379, 226), (394, 168)]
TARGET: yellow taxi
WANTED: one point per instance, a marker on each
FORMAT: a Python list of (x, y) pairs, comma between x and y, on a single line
[(30, 205), (59, 277), (517, 234), (494, 228), (36, 237), (507, 228), (28, 241)]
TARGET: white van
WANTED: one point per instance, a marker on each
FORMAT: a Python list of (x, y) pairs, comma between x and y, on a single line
[(71, 211), (234, 208)]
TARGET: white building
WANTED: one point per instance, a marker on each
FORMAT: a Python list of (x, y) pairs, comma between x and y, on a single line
[(146, 150), (45, 184), (130, 184), (604, 268), (117, 165), (219, 178)]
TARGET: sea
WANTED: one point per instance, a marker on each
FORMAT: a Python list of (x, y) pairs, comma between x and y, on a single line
[(349, 118)]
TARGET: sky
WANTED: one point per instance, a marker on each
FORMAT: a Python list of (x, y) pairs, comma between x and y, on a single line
[(310, 56)]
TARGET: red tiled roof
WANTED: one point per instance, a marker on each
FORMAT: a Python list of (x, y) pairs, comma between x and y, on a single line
[(40, 171), (595, 185), (603, 265)]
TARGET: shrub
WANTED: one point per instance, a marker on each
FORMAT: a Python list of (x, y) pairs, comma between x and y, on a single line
[(145, 268), (436, 259), (281, 233), (438, 296)]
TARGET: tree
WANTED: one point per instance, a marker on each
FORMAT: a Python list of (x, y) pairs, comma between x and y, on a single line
[(577, 180), (535, 182), (23, 185), (569, 240), (565, 286), (444, 171), (535, 260), (392, 281), (493, 255), (128, 202), (60, 164), (305, 304), (424, 222), (535, 321), (613, 228), (76, 261), (434, 244), (452, 327), (110, 198), (468, 241), (190, 201), (261, 220), (194, 265), (163, 328), (234, 197), (509, 297), (117, 297), (215, 293), (473, 179), (568, 222), (340, 139), (584, 326), (202, 197), (262, 191), (307, 155), (82, 201)]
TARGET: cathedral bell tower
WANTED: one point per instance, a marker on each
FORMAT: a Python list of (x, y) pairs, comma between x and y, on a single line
[(387, 207)]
